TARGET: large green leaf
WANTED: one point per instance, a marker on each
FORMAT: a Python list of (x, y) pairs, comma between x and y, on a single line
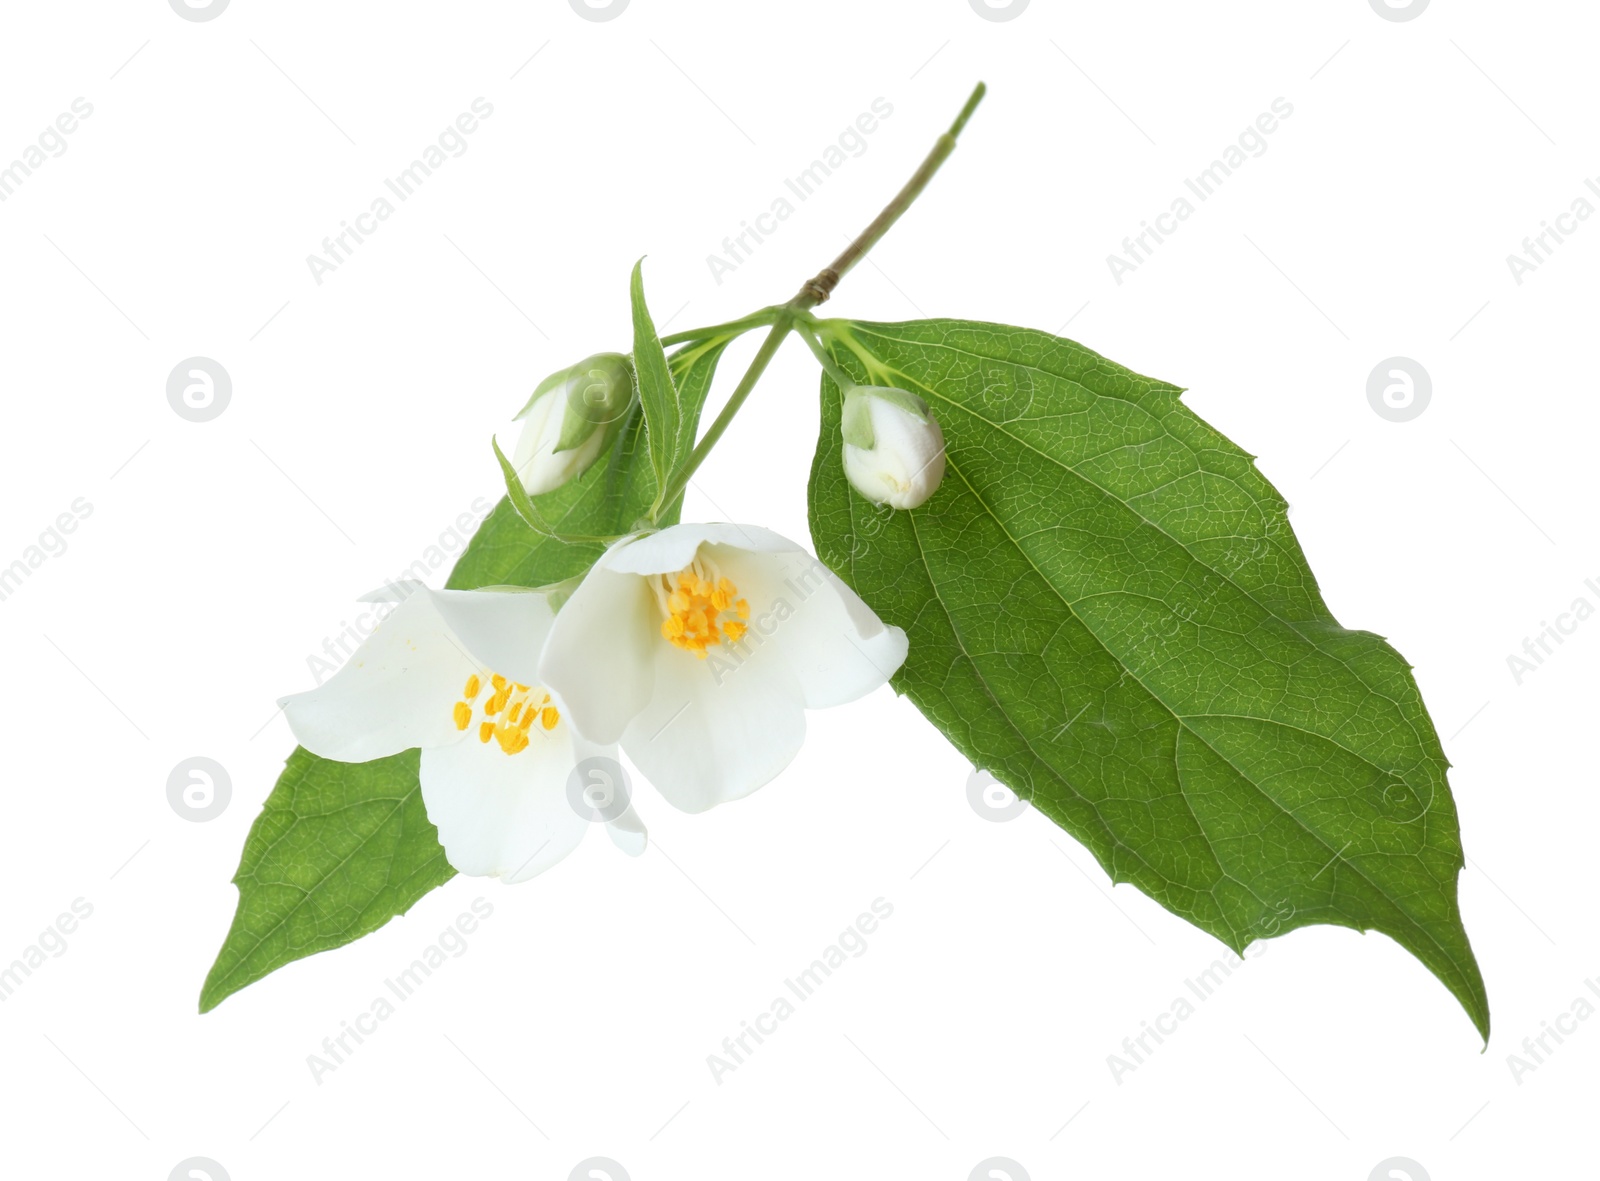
[(338, 850), (1109, 612), (341, 848)]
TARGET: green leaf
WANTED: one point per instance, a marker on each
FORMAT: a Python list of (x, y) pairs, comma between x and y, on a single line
[(1109, 612), (338, 850), (341, 848), (664, 415)]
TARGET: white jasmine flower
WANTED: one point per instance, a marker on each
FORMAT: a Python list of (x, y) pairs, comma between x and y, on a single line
[(455, 673), (699, 649), (893, 447)]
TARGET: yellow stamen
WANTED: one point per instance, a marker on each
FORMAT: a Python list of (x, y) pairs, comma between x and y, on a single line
[(698, 604), (508, 714)]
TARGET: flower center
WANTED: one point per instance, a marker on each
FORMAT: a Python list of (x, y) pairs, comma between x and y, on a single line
[(510, 711), (700, 607)]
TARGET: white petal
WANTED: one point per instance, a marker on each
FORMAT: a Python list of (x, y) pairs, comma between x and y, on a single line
[(627, 832), (539, 466), (503, 815), (906, 461), (802, 615), (715, 730), (672, 549), (503, 629), (597, 658), (541, 429), (394, 693)]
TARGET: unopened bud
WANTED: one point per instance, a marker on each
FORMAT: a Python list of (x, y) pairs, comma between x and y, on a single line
[(893, 448), (570, 419)]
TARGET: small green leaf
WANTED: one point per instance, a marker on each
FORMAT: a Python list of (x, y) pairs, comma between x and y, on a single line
[(1109, 612), (338, 850), (518, 495), (663, 414), (341, 848)]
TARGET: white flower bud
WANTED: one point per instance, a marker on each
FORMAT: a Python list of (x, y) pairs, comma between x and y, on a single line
[(570, 419), (893, 448)]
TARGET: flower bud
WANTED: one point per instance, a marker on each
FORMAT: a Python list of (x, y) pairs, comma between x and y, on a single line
[(893, 448), (570, 419)]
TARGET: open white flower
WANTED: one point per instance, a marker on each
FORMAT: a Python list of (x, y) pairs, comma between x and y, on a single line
[(454, 672), (699, 649)]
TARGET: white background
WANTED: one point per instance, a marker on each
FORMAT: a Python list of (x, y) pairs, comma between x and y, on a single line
[(219, 555)]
